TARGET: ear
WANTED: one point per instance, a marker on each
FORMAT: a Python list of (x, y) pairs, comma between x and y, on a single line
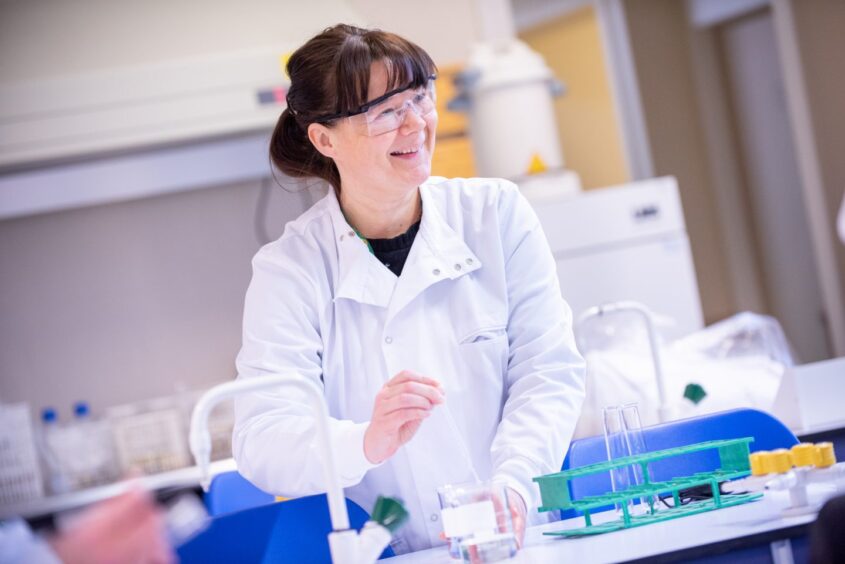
[(322, 138)]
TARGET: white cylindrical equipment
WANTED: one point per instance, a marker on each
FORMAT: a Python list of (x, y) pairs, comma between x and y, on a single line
[(508, 92)]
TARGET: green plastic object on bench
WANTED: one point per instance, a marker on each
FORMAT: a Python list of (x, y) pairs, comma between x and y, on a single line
[(734, 463)]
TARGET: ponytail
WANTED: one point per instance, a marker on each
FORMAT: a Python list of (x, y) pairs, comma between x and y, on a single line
[(293, 154)]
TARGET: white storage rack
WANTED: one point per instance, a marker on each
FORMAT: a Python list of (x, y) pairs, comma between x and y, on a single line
[(151, 436), (20, 473)]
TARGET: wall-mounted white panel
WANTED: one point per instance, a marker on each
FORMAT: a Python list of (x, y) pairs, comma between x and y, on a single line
[(79, 116), (137, 175)]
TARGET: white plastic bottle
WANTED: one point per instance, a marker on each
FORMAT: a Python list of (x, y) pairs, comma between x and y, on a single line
[(94, 461), (55, 478)]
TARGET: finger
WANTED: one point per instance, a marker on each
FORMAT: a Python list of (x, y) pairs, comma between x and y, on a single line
[(498, 507), (501, 518), (405, 401), (409, 376), (160, 550), (399, 418), (518, 518), (518, 527), (144, 541), (129, 508), (117, 513), (434, 394), (516, 508)]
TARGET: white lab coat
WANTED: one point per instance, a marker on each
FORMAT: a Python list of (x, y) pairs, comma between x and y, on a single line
[(18, 545), (478, 307)]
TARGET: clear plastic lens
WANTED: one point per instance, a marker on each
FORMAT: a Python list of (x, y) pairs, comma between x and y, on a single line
[(390, 114)]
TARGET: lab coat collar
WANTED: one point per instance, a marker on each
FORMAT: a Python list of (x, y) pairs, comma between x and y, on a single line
[(453, 257), (361, 277), (437, 253)]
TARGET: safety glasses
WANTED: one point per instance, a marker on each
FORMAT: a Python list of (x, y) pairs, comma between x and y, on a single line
[(387, 113)]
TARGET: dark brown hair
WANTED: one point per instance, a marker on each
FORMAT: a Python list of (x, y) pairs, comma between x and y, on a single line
[(330, 74)]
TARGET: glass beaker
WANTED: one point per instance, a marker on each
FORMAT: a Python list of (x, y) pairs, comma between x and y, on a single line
[(477, 521)]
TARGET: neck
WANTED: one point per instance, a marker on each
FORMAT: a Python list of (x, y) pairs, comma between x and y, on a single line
[(376, 216)]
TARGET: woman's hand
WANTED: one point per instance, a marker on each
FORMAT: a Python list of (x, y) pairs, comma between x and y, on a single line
[(518, 511), (400, 407)]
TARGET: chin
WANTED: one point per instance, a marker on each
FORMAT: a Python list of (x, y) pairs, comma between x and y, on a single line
[(423, 171), (418, 179)]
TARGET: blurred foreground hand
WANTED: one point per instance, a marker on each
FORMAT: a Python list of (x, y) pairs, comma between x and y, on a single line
[(127, 528)]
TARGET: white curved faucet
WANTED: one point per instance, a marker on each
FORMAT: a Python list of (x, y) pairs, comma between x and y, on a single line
[(347, 546)]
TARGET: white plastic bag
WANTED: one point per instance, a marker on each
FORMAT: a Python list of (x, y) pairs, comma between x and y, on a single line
[(739, 362)]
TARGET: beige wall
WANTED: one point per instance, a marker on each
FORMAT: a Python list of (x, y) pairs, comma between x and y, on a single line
[(128, 301), (587, 123), (820, 26), (46, 38), (444, 28), (660, 40)]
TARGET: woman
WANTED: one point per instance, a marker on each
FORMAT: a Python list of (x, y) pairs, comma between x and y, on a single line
[(428, 309)]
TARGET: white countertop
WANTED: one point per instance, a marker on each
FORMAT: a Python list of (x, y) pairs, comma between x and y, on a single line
[(181, 478), (822, 428), (750, 519)]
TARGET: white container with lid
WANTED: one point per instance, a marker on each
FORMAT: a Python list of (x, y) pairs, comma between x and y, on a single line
[(508, 92)]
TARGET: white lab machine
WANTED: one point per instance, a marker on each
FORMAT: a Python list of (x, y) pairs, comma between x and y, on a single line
[(624, 243), (809, 399)]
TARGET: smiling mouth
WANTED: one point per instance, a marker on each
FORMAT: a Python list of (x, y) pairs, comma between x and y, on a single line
[(405, 153)]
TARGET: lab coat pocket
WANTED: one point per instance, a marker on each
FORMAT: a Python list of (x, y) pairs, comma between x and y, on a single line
[(484, 355), (483, 335)]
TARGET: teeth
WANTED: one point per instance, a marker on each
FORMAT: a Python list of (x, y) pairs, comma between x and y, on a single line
[(409, 151)]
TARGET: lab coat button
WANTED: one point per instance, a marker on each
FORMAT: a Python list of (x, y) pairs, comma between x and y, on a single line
[(457, 266), (434, 517), (436, 272), (469, 261), (388, 340)]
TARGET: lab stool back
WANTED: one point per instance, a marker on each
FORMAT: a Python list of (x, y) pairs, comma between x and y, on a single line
[(230, 492), (249, 527), (295, 530), (768, 432)]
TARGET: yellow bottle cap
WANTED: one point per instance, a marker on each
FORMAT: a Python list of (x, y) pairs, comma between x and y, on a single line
[(781, 461), (803, 454), (759, 466), (825, 456)]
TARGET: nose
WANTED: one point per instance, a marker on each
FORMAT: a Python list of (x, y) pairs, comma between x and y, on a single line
[(411, 119)]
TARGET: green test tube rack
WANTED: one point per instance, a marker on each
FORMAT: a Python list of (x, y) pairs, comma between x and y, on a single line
[(733, 464)]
